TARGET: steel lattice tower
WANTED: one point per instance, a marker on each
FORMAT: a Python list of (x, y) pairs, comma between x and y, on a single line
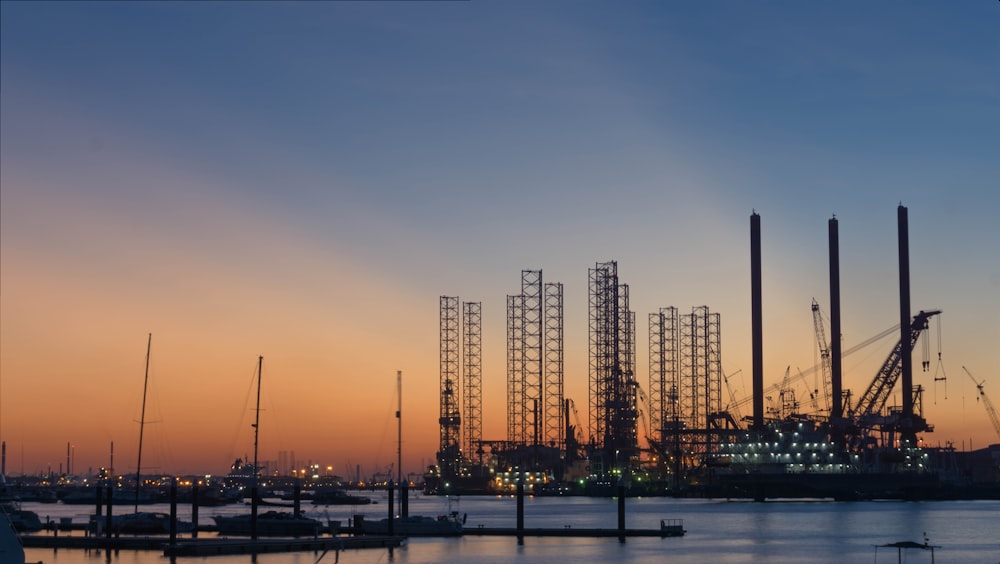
[(535, 362), (534, 344), (603, 333), (612, 366), (472, 383), (449, 455), (625, 416), (553, 414), (713, 364), (664, 387), (515, 370), (701, 367)]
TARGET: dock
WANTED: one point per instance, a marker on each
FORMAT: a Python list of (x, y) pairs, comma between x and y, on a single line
[(215, 547), (668, 528), (210, 546)]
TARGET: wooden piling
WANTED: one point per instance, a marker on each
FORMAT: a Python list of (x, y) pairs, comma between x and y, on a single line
[(194, 510), (621, 512), (107, 520), (389, 529)]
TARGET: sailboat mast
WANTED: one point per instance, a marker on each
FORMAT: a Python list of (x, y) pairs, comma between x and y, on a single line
[(256, 423), (256, 435), (399, 427), (142, 422)]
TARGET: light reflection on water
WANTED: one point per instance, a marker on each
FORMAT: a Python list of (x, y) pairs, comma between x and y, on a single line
[(717, 531)]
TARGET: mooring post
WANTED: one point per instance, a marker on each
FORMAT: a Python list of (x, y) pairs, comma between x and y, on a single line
[(253, 508), (99, 494), (173, 512), (297, 497), (107, 519), (404, 501), (520, 510), (391, 487), (194, 510), (621, 512)]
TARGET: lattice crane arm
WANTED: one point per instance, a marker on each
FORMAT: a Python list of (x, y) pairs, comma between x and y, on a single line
[(874, 398), (824, 354), (990, 410), (774, 388)]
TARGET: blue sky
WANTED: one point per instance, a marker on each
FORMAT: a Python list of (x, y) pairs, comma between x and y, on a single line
[(347, 163)]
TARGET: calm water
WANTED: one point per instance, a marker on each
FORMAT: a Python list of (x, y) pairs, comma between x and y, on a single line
[(717, 531)]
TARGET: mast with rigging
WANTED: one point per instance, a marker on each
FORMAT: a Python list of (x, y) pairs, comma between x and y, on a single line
[(142, 422), (256, 436)]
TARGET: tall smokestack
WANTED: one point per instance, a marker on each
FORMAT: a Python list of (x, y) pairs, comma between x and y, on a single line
[(904, 314), (836, 408), (757, 323)]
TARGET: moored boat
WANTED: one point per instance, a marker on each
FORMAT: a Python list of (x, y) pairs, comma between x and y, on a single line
[(88, 496), (11, 551), (269, 524), (337, 496), (413, 526), (23, 520), (140, 523)]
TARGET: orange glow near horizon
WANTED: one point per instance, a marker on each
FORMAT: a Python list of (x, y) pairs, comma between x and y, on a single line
[(201, 399)]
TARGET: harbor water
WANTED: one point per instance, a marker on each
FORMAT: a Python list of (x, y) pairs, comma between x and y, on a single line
[(717, 531)]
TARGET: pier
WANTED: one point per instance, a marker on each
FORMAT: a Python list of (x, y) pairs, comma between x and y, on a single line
[(209, 546), (668, 528), (213, 547)]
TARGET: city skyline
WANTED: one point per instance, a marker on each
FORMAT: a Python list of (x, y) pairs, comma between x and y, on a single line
[(304, 181)]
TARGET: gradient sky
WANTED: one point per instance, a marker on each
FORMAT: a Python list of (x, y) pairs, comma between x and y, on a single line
[(303, 180)]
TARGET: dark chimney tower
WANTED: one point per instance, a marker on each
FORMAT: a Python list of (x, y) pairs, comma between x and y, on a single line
[(906, 356), (757, 323), (836, 407)]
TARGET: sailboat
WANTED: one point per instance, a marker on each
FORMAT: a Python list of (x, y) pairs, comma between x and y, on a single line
[(145, 522), (447, 525), (270, 523)]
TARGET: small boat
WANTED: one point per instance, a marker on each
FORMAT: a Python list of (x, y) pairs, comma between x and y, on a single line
[(88, 496), (211, 496), (141, 523), (414, 526), (11, 551), (23, 520), (145, 522), (901, 546), (337, 496), (448, 525), (269, 524)]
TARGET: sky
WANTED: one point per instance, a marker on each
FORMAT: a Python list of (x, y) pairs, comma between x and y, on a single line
[(302, 181)]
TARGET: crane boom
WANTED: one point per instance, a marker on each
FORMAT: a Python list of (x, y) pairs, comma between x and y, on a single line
[(872, 402), (824, 355), (774, 388), (990, 410)]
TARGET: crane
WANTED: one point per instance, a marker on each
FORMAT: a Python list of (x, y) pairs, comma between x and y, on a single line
[(733, 406), (824, 355), (787, 405), (986, 402), (644, 408), (774, 388), (873, 400)]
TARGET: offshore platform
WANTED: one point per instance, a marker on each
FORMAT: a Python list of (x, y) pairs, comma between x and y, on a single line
[(696, 441)]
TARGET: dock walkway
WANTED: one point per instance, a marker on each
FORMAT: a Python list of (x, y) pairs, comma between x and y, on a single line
[(210, 546), (668, 528)]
